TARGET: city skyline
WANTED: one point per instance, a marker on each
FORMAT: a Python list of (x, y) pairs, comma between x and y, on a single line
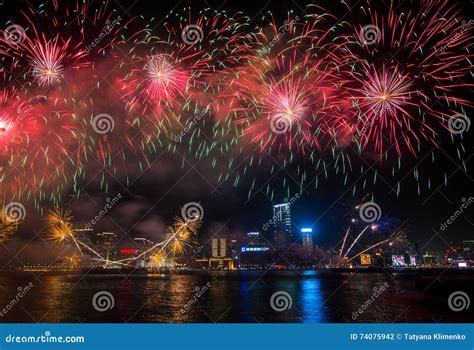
[(222, 162)]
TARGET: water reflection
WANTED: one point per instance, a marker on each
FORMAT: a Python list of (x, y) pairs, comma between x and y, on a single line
[(312, 300), (238, 297)]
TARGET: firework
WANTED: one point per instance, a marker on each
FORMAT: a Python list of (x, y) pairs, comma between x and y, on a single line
[(180, 236), (39, 140), (46, 59), (408, 67), (60, 225), (17, 123), (8, 225), (156, 261), (285, 95), (311, 90)]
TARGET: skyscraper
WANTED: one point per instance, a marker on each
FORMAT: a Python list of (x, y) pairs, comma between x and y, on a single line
[(282, 221), (307, 239), (218, 248)]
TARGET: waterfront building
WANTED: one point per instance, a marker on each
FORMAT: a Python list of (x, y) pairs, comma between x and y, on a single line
[(283, 226), (467, 250), (218, 248), (307, 239), (105, 243)]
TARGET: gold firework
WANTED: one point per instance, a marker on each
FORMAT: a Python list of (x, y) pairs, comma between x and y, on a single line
[(156, 260), (8, 225), (60, 226), (61, 233), (192, 227), (59, 216), (182, 233)]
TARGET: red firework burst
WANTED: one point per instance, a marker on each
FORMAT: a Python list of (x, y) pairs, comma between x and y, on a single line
[(408, 66), (288, 93)]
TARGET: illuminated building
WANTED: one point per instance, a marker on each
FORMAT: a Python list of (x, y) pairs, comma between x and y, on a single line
[(429, 259), (378, 259), (282, 222), (254, 255), (105, 242), (307, 239), (218, 248), (467, 252), (253, 237), (233, 249), (398, 260), (217, 263), (365, 259)]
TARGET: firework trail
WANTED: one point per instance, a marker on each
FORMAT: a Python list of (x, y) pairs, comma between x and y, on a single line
[(61, 230), (408, 66), (310, 94)]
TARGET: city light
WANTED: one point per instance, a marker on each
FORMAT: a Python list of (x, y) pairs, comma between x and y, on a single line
[(128, 251)]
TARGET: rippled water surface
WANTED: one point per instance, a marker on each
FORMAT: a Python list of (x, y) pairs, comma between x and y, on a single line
[(243, 297)]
